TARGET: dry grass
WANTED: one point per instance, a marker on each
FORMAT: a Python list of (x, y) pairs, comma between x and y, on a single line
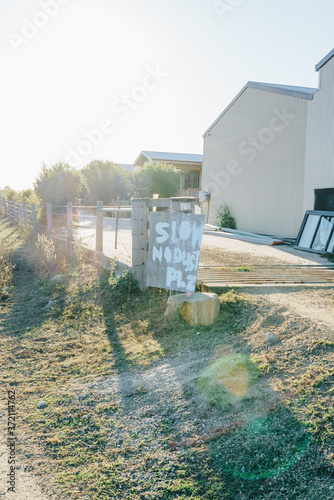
[(139, 409)]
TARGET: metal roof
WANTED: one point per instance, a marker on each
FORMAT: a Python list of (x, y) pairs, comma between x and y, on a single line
[(172, 157), (289, 90), (324, 60)]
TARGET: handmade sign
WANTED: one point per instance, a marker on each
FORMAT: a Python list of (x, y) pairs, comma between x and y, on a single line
[(174, 250)]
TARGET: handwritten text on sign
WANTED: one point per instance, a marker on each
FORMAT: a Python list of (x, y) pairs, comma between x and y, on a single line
[(174, 250)]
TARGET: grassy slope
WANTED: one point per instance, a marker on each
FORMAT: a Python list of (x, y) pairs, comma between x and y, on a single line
[(245, 420)]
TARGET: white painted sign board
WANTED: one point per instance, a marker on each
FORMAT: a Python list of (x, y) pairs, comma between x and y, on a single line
[(174, 250)]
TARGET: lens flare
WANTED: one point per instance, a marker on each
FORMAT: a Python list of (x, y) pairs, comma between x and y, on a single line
[(229, 376)]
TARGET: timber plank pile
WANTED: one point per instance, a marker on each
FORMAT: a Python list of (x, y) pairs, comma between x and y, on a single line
[(218, 277)]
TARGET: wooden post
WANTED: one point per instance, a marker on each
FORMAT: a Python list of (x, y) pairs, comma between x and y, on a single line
[(116, 227), (140, 215), (155, 197), (185, 205), (69, 224), (99, 227), (25, 215), (6, 206), (21, 213), (49, 217), (34, 218), (16, 215)]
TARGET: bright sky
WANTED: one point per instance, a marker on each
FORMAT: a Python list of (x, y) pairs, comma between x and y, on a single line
[(130, 75)]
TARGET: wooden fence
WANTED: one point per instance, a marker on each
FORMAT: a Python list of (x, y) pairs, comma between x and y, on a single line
[(20, 213), (61, 224)]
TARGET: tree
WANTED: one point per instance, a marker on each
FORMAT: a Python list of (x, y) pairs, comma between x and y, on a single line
[(155, 178), (27, 196), (58, 184), (10, 194), (104, 181)]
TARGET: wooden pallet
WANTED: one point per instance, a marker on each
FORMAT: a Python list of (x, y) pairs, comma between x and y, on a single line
[(215, 277)]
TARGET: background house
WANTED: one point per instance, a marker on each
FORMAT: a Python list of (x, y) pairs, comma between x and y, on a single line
[(268, 152), (190, 166)]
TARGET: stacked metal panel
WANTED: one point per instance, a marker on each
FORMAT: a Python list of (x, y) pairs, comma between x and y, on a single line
[(317, 232)]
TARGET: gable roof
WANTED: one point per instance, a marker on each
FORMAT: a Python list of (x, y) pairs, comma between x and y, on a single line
[(289, 90), (324, 60), (168, 157)]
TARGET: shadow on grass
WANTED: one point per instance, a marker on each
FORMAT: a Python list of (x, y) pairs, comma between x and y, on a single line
[(245, 442), (109, 303)]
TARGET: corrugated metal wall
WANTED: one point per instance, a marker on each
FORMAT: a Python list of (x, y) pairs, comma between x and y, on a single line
[(254, 161), (319, 165)]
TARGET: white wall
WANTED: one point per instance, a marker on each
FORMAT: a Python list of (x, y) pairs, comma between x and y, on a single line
[(319, 164), (263, 184)]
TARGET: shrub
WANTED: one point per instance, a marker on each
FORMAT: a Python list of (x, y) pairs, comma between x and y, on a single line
[(104, 181), (58, 184), (152, 178), (224, 217), (45, 256), (5, 267), (124, 284)]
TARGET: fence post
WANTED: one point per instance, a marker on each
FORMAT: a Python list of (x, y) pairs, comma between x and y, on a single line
[(15, 212), (69, 224), (49, 217), (34, 217), (140, 214), (6, 206), (184, 205), (155, 197), (21, 213), (116, 225), (99, 227), (25, 215)]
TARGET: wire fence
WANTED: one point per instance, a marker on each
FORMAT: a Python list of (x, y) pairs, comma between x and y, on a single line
[(101, 228)]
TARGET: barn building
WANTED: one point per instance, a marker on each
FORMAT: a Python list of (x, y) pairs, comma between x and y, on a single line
[(269, 155)]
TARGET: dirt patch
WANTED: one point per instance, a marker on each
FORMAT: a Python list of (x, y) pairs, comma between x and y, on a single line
[(141, 409), (218, 251), (315, 304)]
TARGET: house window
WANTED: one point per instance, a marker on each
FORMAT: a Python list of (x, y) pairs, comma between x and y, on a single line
[(189, 180)]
